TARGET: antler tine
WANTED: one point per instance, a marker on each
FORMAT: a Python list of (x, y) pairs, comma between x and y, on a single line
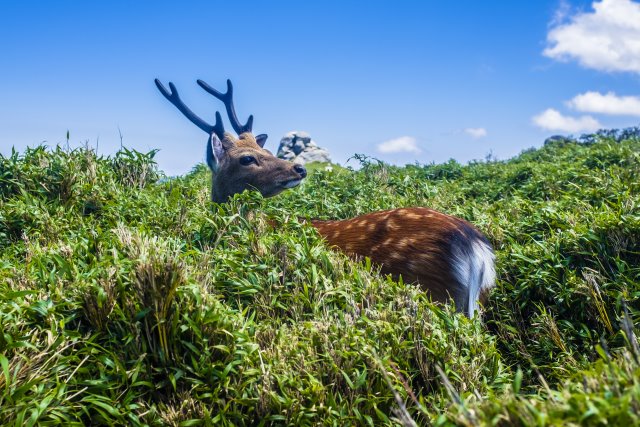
[(218, 128), (173, 97), (227, 99)]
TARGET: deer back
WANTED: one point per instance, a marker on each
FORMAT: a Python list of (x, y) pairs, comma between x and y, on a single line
[(445, 255)]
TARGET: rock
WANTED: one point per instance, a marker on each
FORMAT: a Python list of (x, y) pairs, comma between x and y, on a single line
[(298, 147)]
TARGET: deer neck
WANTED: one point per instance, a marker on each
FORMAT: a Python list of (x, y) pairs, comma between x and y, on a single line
[(218, 193)]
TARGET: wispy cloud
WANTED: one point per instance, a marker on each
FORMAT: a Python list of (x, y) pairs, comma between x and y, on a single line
[(553, 120), (561, 14), (476, 132), (403, 144), (606, 39), (608, 103)]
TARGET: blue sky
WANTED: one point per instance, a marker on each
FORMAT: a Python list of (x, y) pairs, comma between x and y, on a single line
[(402, 81)]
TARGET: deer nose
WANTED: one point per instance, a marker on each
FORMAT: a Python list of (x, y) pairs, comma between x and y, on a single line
[(301, 170)]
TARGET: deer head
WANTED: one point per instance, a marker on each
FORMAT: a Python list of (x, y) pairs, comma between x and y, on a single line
[(237, 163)]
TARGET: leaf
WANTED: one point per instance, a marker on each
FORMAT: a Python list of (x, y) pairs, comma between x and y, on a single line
[(517, 381)]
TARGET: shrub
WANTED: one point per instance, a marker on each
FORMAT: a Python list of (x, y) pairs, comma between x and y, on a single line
[(129, 299)]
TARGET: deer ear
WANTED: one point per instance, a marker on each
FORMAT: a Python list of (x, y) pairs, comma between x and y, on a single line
[(261, 139), (215, 152)]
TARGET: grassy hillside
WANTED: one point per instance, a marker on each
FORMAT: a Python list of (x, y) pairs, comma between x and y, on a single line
[(126, 299)]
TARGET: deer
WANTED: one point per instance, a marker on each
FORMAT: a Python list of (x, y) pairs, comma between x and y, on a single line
[(446, 256)]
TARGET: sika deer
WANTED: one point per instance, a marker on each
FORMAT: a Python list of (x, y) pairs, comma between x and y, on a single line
[(447, 256)]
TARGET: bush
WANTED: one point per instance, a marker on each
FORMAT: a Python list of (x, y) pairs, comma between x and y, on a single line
[(130, 299)]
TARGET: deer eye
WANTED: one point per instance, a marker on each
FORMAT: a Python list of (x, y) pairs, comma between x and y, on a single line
[(247, 160)]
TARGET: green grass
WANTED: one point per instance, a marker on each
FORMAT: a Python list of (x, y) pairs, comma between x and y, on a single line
[(128, 299)]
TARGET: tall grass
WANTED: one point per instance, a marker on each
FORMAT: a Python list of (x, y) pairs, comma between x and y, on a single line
[(130, 300)]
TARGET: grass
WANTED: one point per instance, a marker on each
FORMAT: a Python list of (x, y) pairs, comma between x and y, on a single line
[(127, 299)]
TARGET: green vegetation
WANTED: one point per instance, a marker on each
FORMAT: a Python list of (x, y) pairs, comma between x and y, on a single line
[(127, 299)]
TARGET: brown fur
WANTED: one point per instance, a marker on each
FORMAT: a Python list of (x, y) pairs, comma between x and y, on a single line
[(414, 243)]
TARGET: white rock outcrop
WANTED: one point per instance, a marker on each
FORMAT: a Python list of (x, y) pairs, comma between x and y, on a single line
[(298, 147)]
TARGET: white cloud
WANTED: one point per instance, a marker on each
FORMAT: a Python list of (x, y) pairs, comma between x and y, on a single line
[(476, 132), (609, 103), (403, 144), (606, 39), (553, 120)]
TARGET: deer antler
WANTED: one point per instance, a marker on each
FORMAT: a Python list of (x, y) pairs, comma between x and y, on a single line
[(173, 97), (227, 98)]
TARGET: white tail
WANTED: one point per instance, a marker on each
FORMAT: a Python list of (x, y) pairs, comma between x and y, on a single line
[(475, 268)]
